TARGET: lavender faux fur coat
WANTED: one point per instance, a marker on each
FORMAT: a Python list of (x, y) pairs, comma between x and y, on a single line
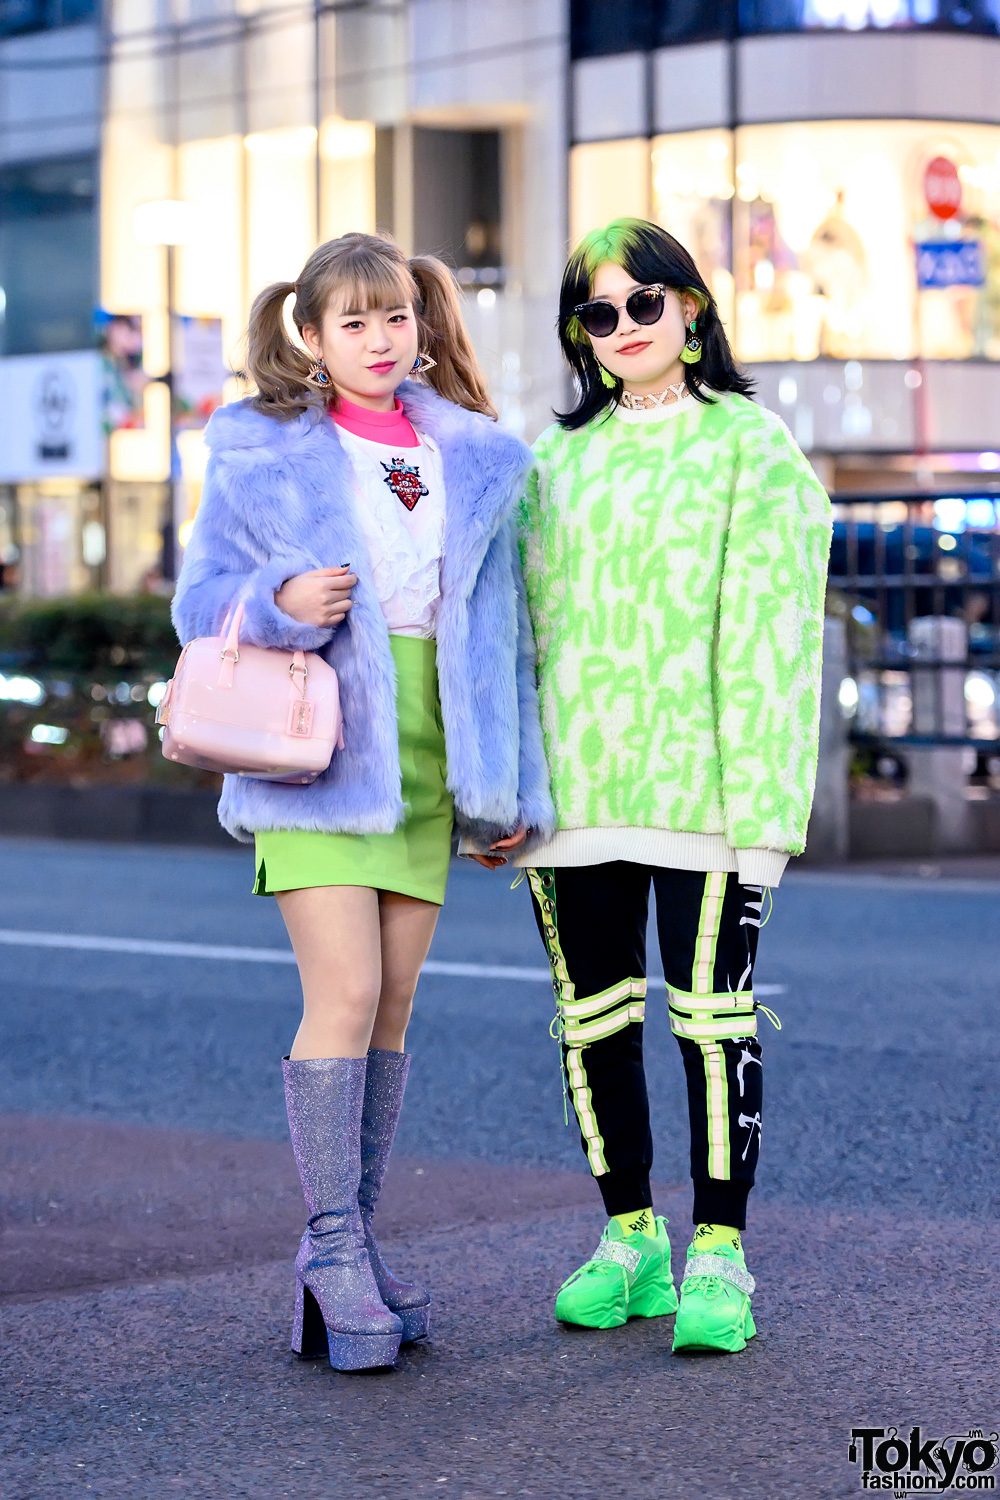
[(279, 500)]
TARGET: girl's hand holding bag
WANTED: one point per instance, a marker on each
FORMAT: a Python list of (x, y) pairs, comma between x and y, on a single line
[(251, 711)]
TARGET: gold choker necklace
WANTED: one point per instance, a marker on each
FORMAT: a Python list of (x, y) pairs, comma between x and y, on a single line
[(668, 397)]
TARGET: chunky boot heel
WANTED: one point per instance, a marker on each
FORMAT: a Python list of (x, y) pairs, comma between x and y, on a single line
[(309, 1339), (338, 1310), (385, 1084), (416, 1321)]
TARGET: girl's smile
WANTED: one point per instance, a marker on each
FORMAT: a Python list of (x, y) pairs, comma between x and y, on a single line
[(649, 360), (367, 351)]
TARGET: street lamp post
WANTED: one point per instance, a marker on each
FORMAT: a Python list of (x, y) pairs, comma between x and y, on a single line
[(168, 222)]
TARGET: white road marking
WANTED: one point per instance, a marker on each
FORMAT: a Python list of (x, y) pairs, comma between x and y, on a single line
[(84, 942)]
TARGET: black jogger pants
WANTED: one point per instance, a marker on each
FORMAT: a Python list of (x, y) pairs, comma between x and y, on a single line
[(593, 922)]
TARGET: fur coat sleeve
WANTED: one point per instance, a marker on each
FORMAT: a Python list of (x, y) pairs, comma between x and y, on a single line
[(225, 564)]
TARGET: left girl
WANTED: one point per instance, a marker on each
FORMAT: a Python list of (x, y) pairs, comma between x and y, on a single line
[(356, 512)]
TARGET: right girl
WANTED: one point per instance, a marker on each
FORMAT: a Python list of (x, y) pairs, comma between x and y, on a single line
[(675, 544)]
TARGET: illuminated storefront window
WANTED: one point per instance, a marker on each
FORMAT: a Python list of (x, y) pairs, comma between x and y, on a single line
[(692, 193), (608, 179), (839, 239), (868, 240)]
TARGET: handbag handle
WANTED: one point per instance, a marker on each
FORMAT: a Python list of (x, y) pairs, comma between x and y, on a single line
[(230, 653), (231, 628)]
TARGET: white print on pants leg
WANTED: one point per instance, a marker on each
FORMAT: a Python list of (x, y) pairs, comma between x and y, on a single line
[(750, 1122), (745, 1057)]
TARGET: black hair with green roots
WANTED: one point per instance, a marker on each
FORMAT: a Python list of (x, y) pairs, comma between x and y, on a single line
[(650, 255)]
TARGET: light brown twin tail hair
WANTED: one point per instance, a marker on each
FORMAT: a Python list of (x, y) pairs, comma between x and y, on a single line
[(363, 271)]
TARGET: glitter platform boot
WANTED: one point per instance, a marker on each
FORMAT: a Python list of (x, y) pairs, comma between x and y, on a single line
[(385, 1085), (338, 1310)]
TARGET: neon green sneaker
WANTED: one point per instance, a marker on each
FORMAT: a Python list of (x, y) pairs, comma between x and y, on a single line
[(628, 1276), (714, 1311)]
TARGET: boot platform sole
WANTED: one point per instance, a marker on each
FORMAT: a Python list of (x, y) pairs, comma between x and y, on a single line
[(311, 1339)]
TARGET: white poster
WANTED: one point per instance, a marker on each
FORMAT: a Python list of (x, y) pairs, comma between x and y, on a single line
[(200, 371), (50, 416)]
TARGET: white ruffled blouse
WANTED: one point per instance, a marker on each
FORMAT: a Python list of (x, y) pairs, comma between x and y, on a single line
[(400, 494)]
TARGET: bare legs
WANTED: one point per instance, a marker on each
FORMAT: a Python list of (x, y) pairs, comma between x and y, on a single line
[(359, 954), (407, 928)]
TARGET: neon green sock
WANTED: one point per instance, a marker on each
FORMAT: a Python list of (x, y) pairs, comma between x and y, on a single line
[(641, 1221), (708, 1236)]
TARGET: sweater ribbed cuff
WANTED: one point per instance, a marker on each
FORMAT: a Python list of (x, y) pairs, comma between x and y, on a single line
[(760, 866)]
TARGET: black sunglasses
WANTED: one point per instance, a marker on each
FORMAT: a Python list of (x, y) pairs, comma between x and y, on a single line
[(600, 318)]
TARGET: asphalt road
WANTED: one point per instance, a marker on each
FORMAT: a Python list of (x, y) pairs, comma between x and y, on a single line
[(150, 1209)]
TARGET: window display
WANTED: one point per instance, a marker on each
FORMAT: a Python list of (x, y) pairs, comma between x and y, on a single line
[(693, 188), (839, 239), (875, 240)]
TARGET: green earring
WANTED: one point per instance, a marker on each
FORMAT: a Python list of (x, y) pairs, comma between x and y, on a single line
[(607, 378), (691, 353)]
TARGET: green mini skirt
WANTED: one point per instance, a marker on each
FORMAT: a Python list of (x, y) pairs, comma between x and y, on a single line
[(414, 859)]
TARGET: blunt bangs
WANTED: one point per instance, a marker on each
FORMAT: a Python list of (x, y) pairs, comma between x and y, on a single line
[(366, 281)]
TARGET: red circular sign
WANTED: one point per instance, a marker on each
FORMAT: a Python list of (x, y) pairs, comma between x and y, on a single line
[(942, 188)]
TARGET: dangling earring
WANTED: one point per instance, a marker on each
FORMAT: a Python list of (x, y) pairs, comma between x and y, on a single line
[(319, 375), (691, 353), (606, 377), (422, 364)]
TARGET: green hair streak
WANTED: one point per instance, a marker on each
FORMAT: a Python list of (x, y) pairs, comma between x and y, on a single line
[(616, 242)]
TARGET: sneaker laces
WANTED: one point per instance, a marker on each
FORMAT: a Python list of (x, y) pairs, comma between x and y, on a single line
[(715, 1286), (711, 1286)]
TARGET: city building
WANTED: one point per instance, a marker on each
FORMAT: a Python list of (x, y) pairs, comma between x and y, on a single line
[(207, 147), (834, 165)]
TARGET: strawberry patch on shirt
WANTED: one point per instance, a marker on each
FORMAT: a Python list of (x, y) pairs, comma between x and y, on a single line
[(405, 482)]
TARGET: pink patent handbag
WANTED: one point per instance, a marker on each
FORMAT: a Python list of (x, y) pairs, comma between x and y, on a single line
[(251, 710)]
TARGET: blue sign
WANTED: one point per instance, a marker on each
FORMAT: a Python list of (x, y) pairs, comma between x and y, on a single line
[(950, 263)]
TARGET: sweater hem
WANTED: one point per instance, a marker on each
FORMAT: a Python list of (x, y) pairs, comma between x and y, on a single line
[(662, 847)]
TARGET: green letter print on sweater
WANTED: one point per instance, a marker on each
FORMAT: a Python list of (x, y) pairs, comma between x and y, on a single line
[(676, 572)]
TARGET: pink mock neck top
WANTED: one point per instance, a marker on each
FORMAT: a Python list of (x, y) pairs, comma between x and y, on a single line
[(390, 427)]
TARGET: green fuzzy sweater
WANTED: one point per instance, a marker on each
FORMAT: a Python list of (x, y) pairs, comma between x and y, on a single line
[(675, 563)]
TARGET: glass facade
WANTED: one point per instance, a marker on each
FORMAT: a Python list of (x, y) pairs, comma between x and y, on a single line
[(48, 255), (841, 239), (239, 131), (602, 27), (20, 17), (244, 132)]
